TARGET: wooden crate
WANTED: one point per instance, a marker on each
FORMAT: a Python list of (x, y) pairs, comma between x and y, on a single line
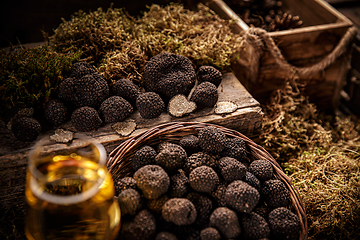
[(323, 29)]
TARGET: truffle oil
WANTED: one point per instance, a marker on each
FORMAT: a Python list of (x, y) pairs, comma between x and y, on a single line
[(70, 197)]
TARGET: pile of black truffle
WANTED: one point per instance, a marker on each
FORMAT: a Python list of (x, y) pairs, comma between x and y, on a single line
[(203, 187)]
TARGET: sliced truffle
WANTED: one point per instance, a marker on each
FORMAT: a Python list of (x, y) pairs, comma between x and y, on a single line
[(275, 193), (241, 197), (204, 207), (115, 109), (231, 169), (212, 139), (127, 90), (203, 179), (80, 69), (200, 159), (235, 148), (86, 119), (179, 185), (209, 74), (250, 179), (26, 129), (142, 227), (210, 233), (169, 74), (180, 106), (144, 156), (254, 226), (226, 221), (190, 143), (124, 183), (284, 224), (152, 180), (150, 105), (130, 201), (165, 236), (55, 112), (171, 157), (205, 95), (262, 169), (179, 211)]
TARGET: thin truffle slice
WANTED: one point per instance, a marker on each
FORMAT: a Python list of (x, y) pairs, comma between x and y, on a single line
[(180, 106), (150, 105)]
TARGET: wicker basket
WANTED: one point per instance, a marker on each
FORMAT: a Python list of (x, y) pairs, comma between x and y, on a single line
[(119, 163)]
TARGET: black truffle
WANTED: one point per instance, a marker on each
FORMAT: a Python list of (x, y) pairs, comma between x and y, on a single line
[(171, 157), (124, 183), (235, 148), (190, 143), (150, 105), (142, 227), (80, 69), (226, 221), (127, 90), (209, 74), (115, 109), (179, 211), (165, 236), (86, 119), (205, 95), (250, 179), (203, 179), (155, 205), (130, 201), (212, 139), (26, 129), (262, 169), (231, 169), (219, 194), (203, 205), (169, 74), (284, 224), (179, 184), (152, 180), (255, 226), (275, 193), (144, 156), (241, 197), (200, 159), (210, 233), (55, 112)]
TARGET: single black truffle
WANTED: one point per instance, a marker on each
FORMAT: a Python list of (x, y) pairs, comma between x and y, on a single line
[(203, 179), (171, 157), (226, 221), (275, 193), (200, 159), (205, 95), (241, 197), (219, 194), (142, 227), (179, 184), (284, 224), (250, 179), (254, 226), (210, 233), (190, 143), (204, 207), (212, 139), (55, 112), (115, 109), (231, 169), (169, 74), (262, 169), (86, 119), (165, 236), (209, 74), (150, 105), (124, 183), (80, 69), (130, 201), (179, 211), (26, 129), (144, 156), (235, 148), (127, 90), (152, 180)]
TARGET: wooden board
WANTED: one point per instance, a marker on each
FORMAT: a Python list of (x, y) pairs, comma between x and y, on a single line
[(247, 119)]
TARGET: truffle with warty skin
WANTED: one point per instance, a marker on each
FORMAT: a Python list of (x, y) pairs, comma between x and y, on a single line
[(241, 197), (250, 179), (86, 119), (130, 201), (179, 211), (126, 89), (209, 74), (165, 236), (155, 205), (275, 193), (56, 112), (179, 184), (219, 194), (284, 224), (212, 139), (235, 148), (205, 95), (200, 159), (210, 233), (150, 105), (141, 227), (171, 157), (190, 143), (262, 169), (226, 221), (152, 180), (115, 109), (26, 129), (80, 69), (231, 169), (203, 205), (124, 183), (169, 74), (144, 156), (203, 179), (254, 226)]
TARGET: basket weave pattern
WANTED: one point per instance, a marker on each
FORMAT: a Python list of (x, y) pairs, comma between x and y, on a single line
[(119, 163)]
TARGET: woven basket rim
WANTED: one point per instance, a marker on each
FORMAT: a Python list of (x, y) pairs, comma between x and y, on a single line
[(119, 164)]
